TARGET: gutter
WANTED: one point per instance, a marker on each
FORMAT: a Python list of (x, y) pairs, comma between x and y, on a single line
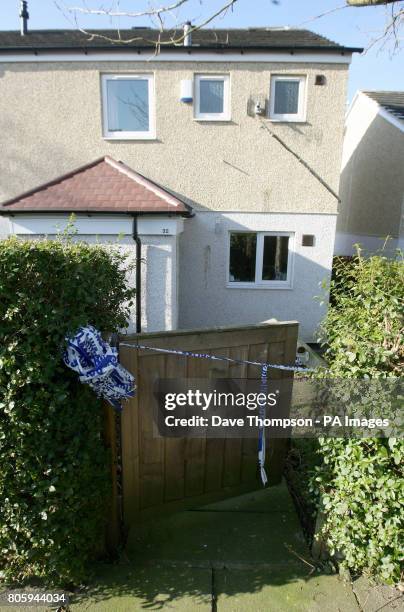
[(89, 213), (180, 49)]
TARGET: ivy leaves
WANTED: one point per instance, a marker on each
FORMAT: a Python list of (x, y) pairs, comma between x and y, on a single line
[(360, 482), (362, 499), (363, 331), (54, 477)]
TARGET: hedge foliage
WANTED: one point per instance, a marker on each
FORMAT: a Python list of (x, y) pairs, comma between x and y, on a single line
[(363, 330), (54, 481), (360, 482)]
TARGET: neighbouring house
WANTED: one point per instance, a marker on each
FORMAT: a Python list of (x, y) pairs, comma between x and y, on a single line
[(372, 175), (239, 133)]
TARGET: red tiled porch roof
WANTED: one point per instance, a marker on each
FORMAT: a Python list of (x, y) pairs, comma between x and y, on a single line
[(103, 186)]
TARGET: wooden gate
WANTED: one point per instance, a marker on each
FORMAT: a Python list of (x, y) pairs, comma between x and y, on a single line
[(169, 474)]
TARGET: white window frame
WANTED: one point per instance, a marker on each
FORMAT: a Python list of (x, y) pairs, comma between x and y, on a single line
[(128, 135), (258, 283), (300, 116), (225, 115)]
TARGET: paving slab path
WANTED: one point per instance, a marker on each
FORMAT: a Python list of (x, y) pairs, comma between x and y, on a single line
[(245, 554)]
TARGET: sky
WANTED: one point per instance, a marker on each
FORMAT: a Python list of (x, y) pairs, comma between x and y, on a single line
[(378, 68)]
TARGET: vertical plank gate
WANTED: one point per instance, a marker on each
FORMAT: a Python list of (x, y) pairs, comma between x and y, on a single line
[(169, 474)]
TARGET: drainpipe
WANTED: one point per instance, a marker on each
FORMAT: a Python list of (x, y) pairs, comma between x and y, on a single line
[(24, 16), (138, 296)]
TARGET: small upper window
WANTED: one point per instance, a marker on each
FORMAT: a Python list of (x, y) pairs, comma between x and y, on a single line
[(287, 98), (212, 97), (128, 106)]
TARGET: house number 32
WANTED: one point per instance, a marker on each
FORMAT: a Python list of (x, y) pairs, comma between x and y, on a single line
[(164, 230)]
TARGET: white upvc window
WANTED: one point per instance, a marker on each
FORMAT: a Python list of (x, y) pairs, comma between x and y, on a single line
[(260, 259), (128, 106), (212, 97), (287, 98)]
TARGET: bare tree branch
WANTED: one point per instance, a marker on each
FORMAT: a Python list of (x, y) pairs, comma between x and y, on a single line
[(152, 13), (392, 28), (361, 3), (175, 34), (391, 31), (110, 13), (334, 10)]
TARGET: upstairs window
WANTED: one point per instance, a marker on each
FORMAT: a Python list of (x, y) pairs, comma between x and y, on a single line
[(128, 106), (260, 259), (287, 98), (212, 97)]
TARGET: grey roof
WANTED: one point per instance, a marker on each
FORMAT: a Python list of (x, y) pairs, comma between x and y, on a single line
[(392, 101), (143, 38)]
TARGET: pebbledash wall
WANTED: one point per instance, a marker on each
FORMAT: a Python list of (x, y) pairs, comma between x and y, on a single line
[(233, 173), (216, 165)]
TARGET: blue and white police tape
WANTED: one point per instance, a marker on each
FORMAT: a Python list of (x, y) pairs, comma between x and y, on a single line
[(97, 364), (275, 366), (261, 431), (264, 386)]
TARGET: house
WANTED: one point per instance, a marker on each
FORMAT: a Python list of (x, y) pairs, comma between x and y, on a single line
[(372, 176), (218, 158)]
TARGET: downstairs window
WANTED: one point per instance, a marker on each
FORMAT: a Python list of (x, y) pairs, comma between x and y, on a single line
[(260, 259)]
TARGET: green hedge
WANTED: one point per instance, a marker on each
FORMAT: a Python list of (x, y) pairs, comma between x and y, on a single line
[(363, 330), (54, 481), (360, 482)]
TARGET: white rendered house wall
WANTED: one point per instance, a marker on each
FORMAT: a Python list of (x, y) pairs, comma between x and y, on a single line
[(368, 130), (159, 236), (206, 296)]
